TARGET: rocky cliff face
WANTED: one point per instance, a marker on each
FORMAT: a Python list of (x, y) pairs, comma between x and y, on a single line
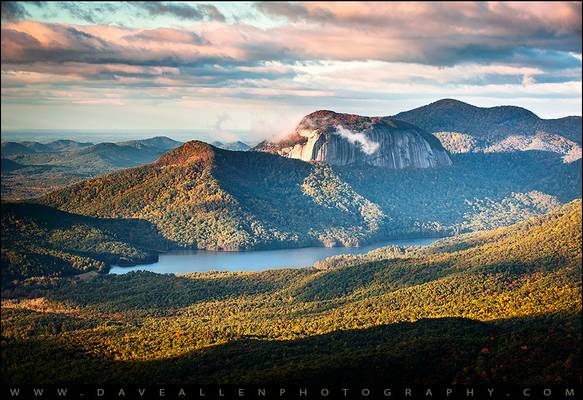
[(346, 139)]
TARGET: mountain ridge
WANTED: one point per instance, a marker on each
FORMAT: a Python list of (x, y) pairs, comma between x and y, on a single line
[(204, 197), (233, 146), (450, 115), (61, 162)]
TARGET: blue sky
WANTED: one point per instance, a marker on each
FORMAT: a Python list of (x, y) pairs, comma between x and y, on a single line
[(227, 68)]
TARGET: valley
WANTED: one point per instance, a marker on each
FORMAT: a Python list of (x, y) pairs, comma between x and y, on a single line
[(494, 292), (476, 308), (291, 200)]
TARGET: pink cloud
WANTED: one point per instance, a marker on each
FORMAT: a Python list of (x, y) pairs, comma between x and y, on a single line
[(433, 33), (323, 50)]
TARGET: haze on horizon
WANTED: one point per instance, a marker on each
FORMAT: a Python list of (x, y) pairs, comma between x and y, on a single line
[(227, 68)]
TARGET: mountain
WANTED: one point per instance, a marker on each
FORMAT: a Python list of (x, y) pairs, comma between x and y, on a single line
[(542, 141), (491, 124), (87, 156), (63, 162), (456, 142), (347, 139), (233, 146), (10, 149), (109, 156), (15, 148), (203, 197), (160, 143), (43, 241), (65, 145), (28, 147), (477, 309), (10, 166)]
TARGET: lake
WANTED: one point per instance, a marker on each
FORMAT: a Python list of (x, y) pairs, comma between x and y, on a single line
[(184, 261)]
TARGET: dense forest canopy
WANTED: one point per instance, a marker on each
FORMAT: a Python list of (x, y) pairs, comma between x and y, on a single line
[(497, 301), (492, 307), (244, 200)]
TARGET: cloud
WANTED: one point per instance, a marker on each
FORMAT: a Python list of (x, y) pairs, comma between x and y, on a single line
[(108, 12), (534, 34), (13, 11), (438, 33), (449, 35), (218, 132), (97, 44), (466, 18), (88, 12), (435, 43), (294, 11), (367, 58), (366, 145), (168, 35), (183, 11), (528, 80)]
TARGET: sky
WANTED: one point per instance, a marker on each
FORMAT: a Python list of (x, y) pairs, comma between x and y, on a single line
[(252, 70)]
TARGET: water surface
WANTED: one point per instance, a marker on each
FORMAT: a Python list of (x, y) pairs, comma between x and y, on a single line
[(184, 261)]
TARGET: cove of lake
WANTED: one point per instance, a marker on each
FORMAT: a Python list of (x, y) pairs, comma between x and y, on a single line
[(185, 261)]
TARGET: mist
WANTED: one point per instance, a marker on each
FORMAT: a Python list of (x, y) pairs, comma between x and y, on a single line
[(366, 145)]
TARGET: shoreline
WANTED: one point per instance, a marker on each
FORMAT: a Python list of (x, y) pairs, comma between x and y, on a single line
[(123, 269)]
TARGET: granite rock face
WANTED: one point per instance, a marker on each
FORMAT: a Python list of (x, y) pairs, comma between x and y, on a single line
[(347, 139)]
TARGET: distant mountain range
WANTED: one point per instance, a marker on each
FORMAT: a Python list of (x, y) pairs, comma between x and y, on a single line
[(27, 147), (326, 136), (233, 146), (31, 168), (366, 179), (101, 156)]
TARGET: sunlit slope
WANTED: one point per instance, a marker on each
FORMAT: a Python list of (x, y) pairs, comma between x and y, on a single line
[(198, 195), (478, 308), (204, 197)]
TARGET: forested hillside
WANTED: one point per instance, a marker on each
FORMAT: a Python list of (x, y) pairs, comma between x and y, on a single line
[(490, 307), (462, 127), (201, 196), (42, 241), (449, 115), (204, 197)]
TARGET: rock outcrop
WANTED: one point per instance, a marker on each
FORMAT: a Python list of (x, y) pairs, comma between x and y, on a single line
[(347, 139)]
